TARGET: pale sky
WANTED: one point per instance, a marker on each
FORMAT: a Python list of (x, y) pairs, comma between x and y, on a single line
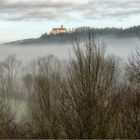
[(21, 19)]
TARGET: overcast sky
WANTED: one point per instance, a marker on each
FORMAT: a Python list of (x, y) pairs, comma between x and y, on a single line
[(29, 18)]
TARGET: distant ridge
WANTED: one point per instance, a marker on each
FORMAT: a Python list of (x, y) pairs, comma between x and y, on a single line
[(82, 32)]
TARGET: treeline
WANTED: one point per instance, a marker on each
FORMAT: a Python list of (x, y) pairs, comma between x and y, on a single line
[(99, 32), (85, 98)]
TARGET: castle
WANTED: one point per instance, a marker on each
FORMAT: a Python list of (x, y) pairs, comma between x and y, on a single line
[(60, 30)]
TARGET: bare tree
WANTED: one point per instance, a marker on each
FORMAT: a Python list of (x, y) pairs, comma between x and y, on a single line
[(84, 103), (8, 89), (131, 111), (133, 68), (42, 98)]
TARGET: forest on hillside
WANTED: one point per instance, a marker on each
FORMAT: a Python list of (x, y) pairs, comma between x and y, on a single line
[(81, 32), (99, 32)]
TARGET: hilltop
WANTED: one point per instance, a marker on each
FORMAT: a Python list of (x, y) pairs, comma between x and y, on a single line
[(68, 37)]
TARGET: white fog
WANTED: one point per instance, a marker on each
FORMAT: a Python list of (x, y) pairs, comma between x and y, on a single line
[(117, 47)]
